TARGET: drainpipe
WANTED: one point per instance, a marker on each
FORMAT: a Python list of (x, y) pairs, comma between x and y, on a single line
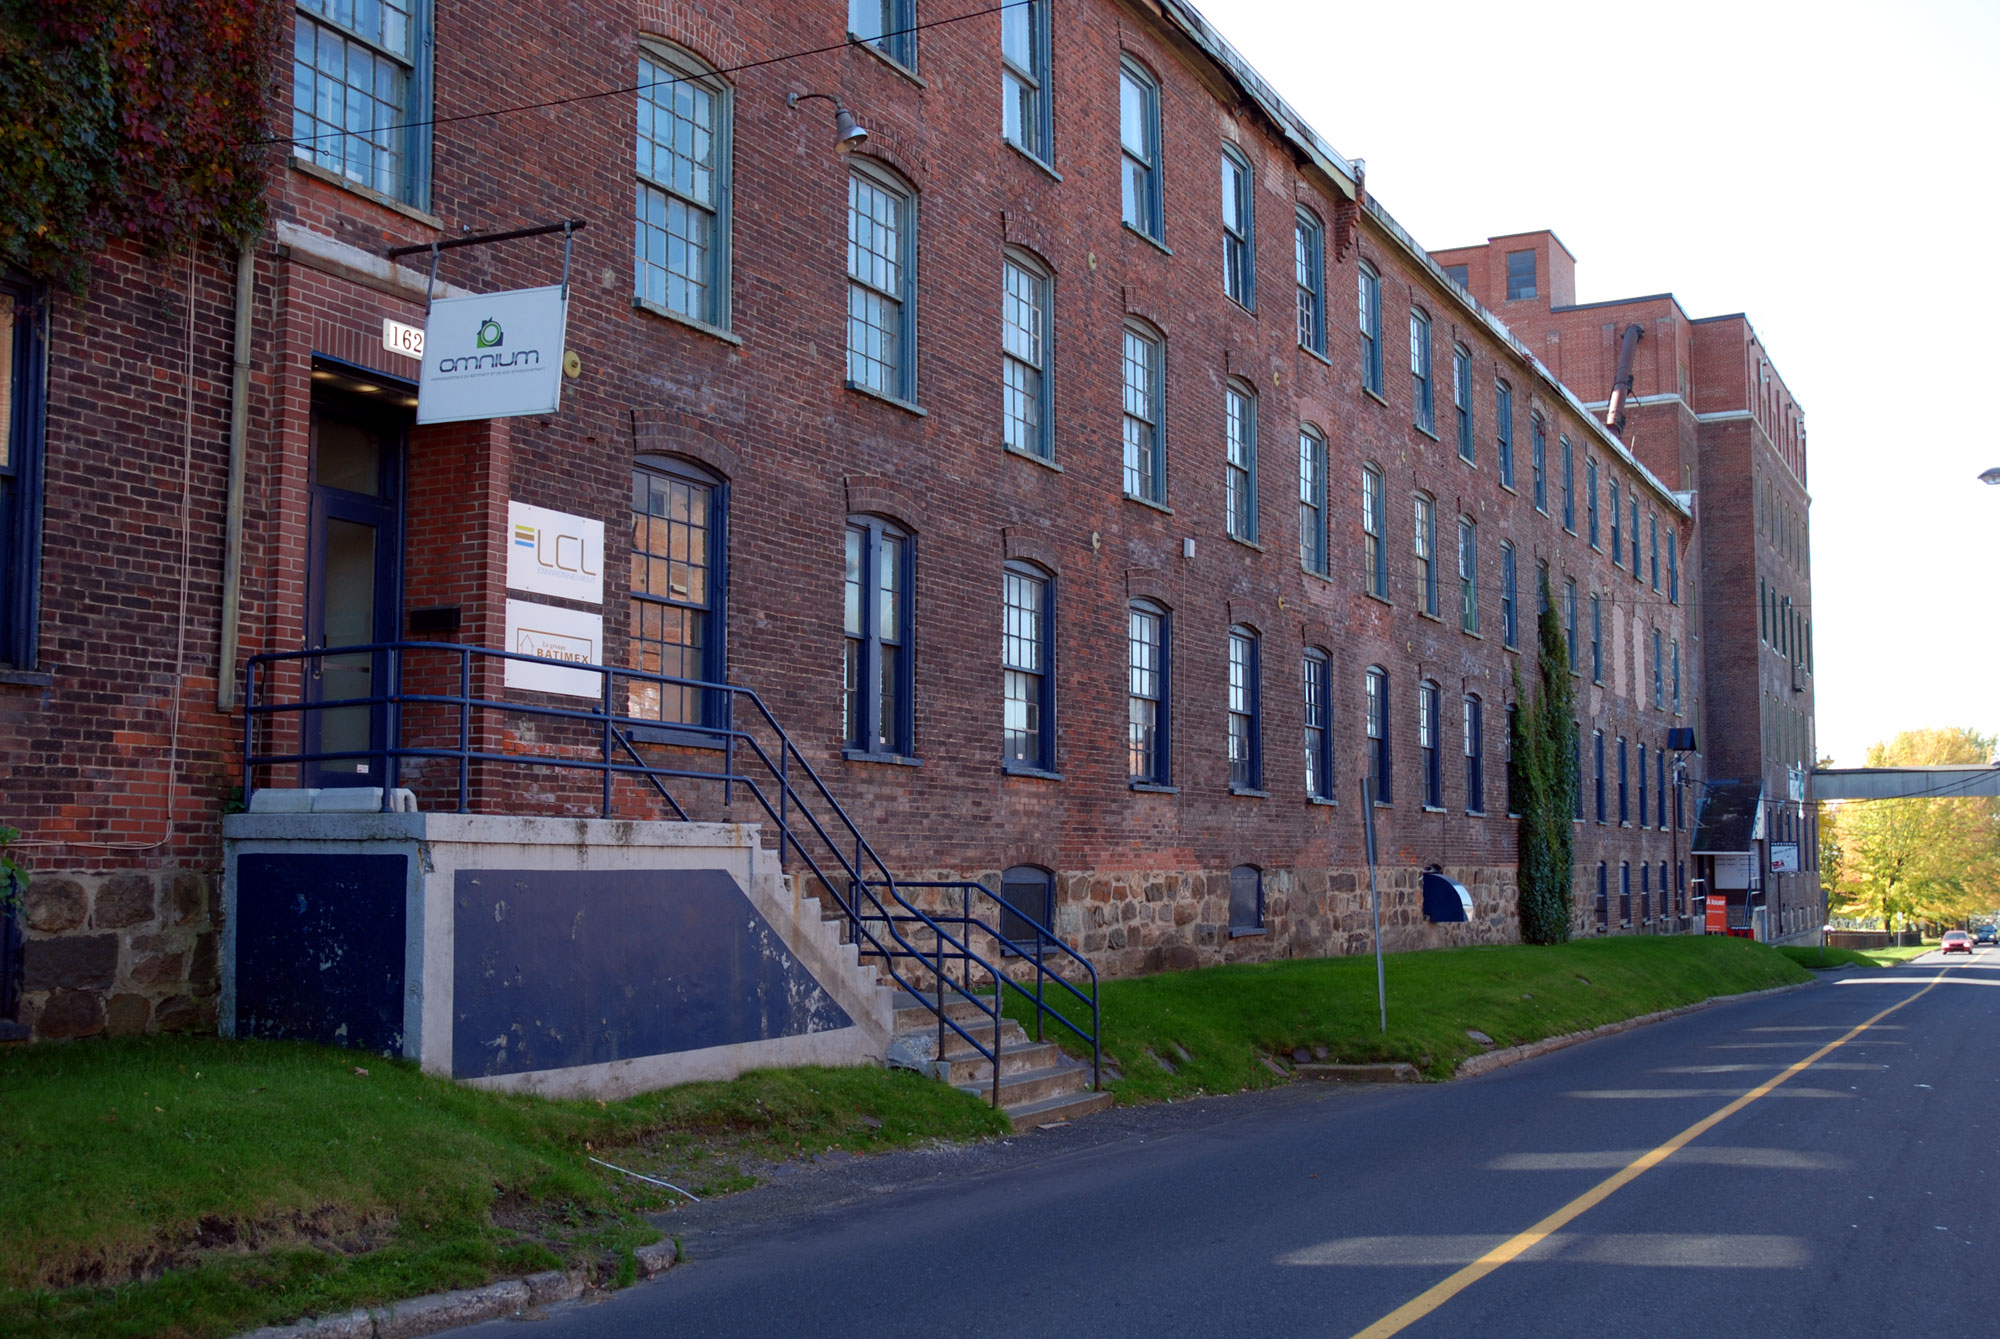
[(239, 432), (1614, 417)]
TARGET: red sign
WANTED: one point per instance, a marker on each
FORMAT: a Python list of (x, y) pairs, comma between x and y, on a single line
[(1717, 921)]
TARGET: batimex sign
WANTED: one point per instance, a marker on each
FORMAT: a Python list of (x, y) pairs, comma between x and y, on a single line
[(493, 355)]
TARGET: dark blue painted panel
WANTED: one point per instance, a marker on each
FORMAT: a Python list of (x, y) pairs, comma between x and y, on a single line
[(320, 948), (556, 968)]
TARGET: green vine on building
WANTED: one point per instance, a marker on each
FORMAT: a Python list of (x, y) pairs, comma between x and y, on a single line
[(1544, 779), (131, 119)]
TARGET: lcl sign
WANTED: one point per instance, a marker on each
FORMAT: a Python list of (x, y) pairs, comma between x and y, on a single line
[(554, 553)]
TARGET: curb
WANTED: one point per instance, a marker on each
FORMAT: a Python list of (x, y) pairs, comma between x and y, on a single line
[(468, 1306), (1397, 1072), (1473, 1066)]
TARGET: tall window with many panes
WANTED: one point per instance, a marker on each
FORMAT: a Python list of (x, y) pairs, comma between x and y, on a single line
[(1468, 574), (1374, 523), (1145, 439), (1421, 396), (1146, 693), (1024, 342), (677, 589), (1309, 269), (1139, 149), (890, 26), (681, 249), (876, 717), (1461, 399), (1239, 245), (1424, 538), (1240, 462), (1381, 774), (1312, 500), (1317, 677), (1246, 760), (881, 285), (1028, 717), (1368, 286), (360, 93), (1503, 431), (1026, 103)]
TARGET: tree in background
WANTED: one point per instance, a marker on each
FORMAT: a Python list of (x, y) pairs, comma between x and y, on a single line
[(1935, 859), (1545, 784)]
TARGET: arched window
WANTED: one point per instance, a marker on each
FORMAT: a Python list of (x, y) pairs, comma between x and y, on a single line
[(1369, 285), (1503, 431), (1381, 774), (1145, 432), (679, 584), (682, 261), (1147, 702), (1026, 306), (1538, 460), (1424, 543), (1567, 464), (1239, 229), (1028, 686), (1246, 899), (1374, 527), (1309, 266), (1318, 680), (1427, 741), (877, 715), (1240, 469), (1246, 744), (1312, 500), (1422, 396), (1461, 399), (1468, 574), (1510, 618), (1475, 755)]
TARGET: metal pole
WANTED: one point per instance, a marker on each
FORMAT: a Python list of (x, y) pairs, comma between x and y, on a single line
[(1374, 895)]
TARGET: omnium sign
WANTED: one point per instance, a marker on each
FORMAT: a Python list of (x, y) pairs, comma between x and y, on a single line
[(494, 355)]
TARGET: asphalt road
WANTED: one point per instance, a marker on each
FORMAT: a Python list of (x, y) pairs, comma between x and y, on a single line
[(1856, 1197)]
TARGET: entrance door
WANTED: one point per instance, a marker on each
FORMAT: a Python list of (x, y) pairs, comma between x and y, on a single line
[(353, 565)]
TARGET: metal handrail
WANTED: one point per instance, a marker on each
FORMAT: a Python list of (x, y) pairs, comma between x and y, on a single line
[(873, 923)]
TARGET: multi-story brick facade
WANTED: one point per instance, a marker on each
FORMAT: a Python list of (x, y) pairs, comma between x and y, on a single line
[(1705, 410), (1137, 363)]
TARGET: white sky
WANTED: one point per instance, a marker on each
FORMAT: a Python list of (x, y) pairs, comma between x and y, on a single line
[(1829, 169)]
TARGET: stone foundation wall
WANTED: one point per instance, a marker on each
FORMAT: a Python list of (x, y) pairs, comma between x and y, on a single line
[(119, 953), (1132, 922)]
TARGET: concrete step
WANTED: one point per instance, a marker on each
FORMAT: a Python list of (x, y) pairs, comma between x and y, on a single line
[(1011, 1034), (968, 1067), (1032, 1085), (913, 1012), (1068, 1106)]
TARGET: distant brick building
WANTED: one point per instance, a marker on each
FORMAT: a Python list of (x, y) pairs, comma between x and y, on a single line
[(1705, 410), (1093, 480)]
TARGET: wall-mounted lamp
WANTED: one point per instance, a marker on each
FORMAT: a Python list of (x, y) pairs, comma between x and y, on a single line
[(847, 132), (1991, 476)]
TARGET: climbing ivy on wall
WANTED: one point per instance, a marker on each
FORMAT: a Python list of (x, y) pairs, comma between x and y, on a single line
[(1544, 785), (139, 119)]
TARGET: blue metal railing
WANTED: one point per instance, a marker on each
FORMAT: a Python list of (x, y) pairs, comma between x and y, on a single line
[(882, 921)]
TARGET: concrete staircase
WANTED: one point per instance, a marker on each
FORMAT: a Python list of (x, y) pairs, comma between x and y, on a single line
[(1038, 1083)]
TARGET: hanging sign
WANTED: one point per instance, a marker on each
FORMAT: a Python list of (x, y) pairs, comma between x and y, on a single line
[(554, 553), (559, 636), (493, 355)]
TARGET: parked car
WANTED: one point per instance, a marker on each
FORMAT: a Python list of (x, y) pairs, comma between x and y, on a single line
[(1985, 934), (1956, 941)]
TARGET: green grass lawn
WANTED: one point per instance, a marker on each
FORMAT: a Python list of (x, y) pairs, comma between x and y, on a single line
[(1215, 1025), (1853, 957), (191, 1187)]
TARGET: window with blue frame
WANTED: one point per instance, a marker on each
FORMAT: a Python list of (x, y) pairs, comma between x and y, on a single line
[(1374, 522), (1617, 529), (1597, 752), (1318, 680), (1381, 770), (1145, 436), (1309, 267), (1246, 744), (1312, 500), (1368, 287), (1513, 725), (1653, 529), (681, 252), (1576, 770), (1567, 454), (1421, 395), (1503, 431), (22, 409), (1673, 566), (1642, 786), (1660, 790), (1240, 461), (1424, 537), (679, 581), (1475, 756), (1632, 501), (1603, 898), (890, 26), (1246, 899), (1510, 622), (1147, 701), (1239, 229), (1468, 575), (1596, 638), (1569, 622), (1027, 684), (1624, 892), (1461, 399), (1677, 676), (1538, 461), (1428, 744), (876, 716), (1520, 275), (1624, 774), (1590, 498), (1659, 673), (1027, 110), (1139, 150), (361, 93)]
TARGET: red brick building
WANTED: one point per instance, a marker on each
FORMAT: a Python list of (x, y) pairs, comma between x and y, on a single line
[(1093, 480), (1705, 409)]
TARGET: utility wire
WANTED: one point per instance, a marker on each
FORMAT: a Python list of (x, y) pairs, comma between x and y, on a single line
[(623, 90)]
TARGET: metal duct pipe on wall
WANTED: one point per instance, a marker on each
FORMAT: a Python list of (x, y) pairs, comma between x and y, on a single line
[(1621, 385), (239, 444)]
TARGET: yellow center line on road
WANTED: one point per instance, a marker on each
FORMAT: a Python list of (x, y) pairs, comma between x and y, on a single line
[(1436, 1296)]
